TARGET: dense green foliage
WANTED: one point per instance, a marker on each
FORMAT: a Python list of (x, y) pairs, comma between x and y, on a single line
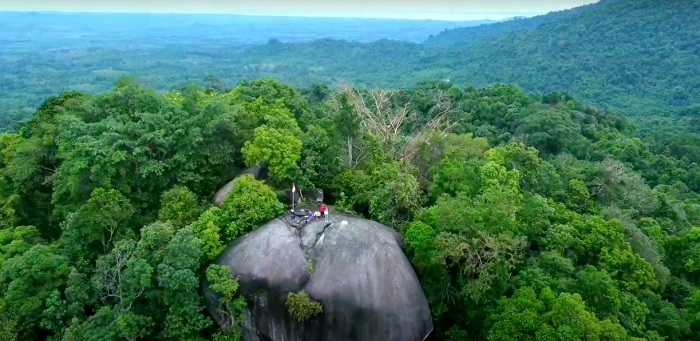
[(231, 305), (469, 35), (634, 55), (524, 215)]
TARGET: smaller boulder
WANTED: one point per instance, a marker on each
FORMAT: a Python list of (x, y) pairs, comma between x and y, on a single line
[(259, 172)]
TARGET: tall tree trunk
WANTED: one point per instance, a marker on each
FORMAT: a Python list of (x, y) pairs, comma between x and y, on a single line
[(349, 151)]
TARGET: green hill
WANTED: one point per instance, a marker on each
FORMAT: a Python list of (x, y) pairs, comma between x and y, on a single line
[(469, 35), (640, 56)]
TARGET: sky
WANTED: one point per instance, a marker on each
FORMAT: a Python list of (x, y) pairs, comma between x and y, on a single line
[(406, 9)]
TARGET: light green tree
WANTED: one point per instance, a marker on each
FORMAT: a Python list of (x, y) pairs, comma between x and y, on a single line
[(179, 207), (250, 204), (278, 148)]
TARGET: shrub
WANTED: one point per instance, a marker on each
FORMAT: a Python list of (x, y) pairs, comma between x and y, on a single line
[(302, 307)]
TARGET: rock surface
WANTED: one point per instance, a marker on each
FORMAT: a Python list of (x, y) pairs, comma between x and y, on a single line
[(259, 172), (354, 267)]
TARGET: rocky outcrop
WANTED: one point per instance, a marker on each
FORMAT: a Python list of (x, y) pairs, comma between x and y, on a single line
[(354, 267), (259, 172)]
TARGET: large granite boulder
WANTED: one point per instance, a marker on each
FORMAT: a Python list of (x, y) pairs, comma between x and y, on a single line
[(354, 267)]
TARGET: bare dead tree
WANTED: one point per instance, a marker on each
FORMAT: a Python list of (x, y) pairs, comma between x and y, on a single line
[(439, 115), (107, 236), (387, 122), (378, 116), (112, 279)]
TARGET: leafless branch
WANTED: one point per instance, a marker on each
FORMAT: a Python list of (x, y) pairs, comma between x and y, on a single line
[(386, 121)]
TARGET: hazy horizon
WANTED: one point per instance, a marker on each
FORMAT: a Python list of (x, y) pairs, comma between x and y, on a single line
[(435, 10)]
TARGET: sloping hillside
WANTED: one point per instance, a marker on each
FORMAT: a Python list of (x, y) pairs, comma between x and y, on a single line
[(640, 55), (470, 35)]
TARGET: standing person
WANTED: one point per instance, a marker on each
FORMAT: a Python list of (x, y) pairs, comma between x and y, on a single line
[(324, 211)]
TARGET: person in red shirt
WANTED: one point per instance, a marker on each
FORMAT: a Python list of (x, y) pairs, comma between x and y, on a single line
[(324, 212)]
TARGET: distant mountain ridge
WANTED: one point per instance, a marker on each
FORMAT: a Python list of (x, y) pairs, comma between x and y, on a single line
[(636, 55), (469, 35), (249, 29)]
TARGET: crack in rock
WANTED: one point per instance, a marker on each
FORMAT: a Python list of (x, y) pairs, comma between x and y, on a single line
[(356, 270), (309, 235), (319, 236)]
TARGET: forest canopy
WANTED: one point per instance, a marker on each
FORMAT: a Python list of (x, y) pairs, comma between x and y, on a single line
[(525, 215)]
